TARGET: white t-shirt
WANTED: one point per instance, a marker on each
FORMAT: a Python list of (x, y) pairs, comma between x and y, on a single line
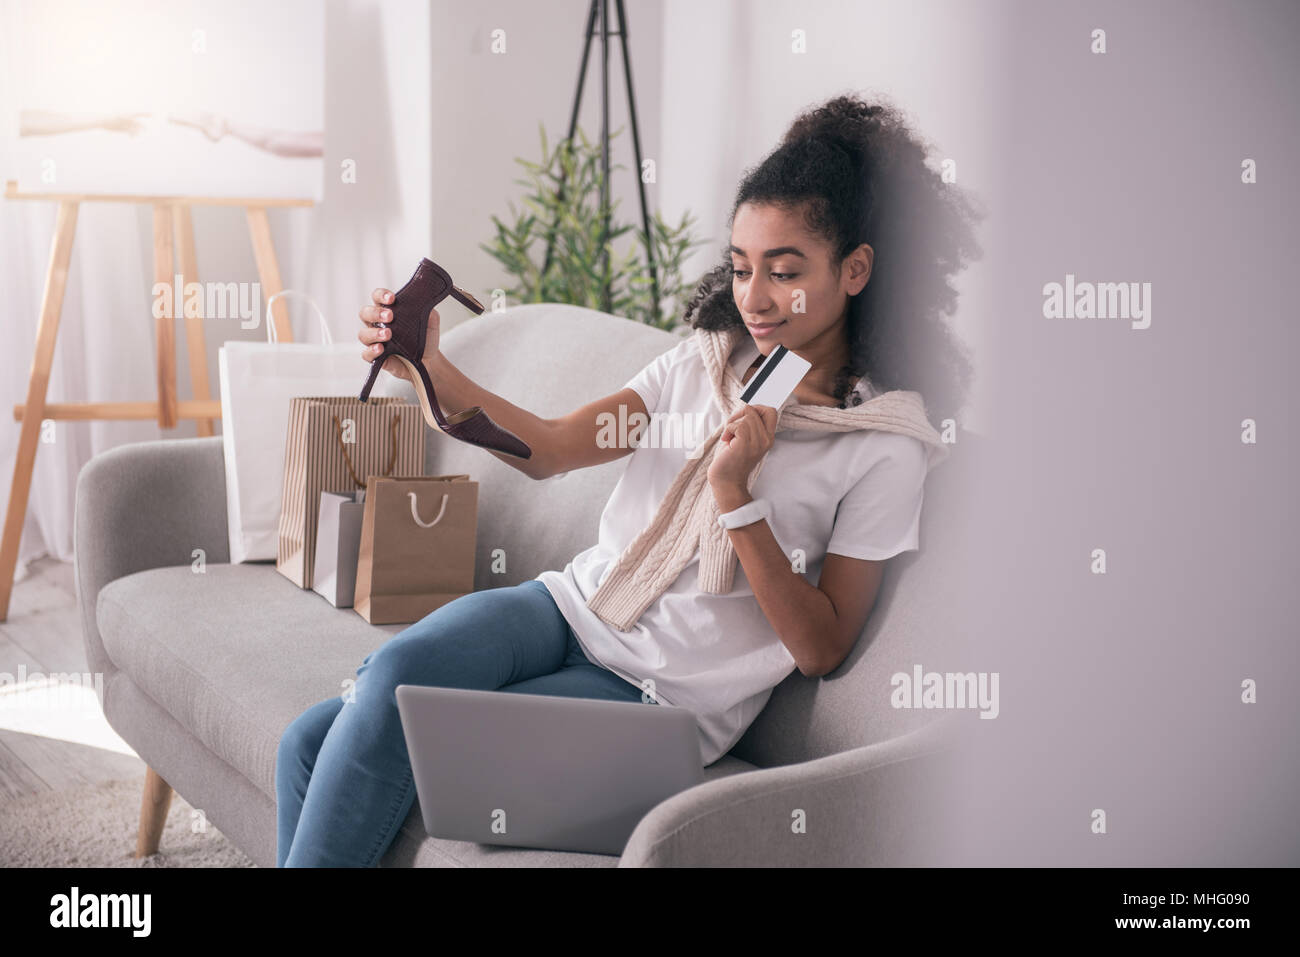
[(855, 493)]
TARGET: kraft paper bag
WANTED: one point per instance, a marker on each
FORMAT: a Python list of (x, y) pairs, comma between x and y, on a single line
[(418, 539), (338, 442), (338, 541)]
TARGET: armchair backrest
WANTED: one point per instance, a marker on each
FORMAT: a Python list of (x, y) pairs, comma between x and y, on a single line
[(549, 359)]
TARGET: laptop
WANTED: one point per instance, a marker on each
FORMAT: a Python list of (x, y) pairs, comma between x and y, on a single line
[(528, 770)]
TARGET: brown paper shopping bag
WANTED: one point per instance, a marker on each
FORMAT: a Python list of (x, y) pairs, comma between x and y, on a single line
[(418, 538), (333, 444)]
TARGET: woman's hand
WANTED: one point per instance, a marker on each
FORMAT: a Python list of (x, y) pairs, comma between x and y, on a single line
[(374, 332), (745, 439)]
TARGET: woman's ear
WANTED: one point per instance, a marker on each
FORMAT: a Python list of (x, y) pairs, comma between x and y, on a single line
[(857, 269)]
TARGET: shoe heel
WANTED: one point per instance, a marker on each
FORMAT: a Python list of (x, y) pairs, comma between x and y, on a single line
[(374, 374), (466, 300)]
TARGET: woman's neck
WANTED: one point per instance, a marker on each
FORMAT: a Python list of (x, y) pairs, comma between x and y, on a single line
[(828, 352)]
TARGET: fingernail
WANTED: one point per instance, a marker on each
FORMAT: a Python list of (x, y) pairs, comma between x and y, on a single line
[(387, 315)]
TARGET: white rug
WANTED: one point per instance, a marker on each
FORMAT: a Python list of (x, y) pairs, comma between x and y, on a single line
[(96, 825)]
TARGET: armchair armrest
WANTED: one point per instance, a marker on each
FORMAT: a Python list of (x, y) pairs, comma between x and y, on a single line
[(145, 505), (874, 806)]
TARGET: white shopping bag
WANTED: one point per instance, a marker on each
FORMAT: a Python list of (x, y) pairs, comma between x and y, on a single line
[(257, 381)]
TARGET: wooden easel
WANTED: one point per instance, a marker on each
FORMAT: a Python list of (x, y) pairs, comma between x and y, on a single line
[(172, 229)]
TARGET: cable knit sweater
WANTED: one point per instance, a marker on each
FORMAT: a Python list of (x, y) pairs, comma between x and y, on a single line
[(687, 518)]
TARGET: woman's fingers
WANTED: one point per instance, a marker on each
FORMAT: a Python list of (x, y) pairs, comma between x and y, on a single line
[(374, 331), (751, 423), (746, 411), (369, 334), (766, 417), (733, 422), (372, 314)]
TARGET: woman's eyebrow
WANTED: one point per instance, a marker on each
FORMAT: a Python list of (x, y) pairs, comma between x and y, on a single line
[(771, 253)]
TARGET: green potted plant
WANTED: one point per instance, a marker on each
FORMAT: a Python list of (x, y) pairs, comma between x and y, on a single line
[(571, 221)]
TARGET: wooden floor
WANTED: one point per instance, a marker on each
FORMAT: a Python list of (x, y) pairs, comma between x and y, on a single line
[(52, 736)]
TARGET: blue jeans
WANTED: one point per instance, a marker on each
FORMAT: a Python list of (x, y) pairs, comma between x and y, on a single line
[(343, 778)]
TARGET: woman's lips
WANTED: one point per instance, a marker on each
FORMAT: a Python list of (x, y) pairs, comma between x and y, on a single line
[(765, 329)]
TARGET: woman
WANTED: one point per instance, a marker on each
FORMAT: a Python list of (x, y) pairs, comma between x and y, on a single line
[(841, 246)]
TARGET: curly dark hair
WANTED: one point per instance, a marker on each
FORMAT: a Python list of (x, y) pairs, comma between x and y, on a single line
[(857, 173)]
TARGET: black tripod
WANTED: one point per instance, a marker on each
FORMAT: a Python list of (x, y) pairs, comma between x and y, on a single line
[(600, 10)]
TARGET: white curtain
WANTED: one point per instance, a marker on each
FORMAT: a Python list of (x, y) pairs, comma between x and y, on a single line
[(100, 353)]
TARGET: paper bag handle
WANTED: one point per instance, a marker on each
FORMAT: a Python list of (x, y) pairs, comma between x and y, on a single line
[(270, 323), (416, 515), (392, 458)]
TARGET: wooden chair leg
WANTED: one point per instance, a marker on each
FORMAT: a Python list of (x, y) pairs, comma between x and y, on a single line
[(153, 813)]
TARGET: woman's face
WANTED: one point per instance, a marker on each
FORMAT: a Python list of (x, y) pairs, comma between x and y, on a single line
[(785, 287)]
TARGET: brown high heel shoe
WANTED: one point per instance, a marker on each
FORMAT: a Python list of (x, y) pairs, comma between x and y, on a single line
[(411, 304)]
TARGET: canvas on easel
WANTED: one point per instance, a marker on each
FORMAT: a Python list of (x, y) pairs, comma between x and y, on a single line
[(213, 98)]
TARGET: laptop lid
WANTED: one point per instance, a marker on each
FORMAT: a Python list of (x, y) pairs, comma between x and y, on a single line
[(526, 770)]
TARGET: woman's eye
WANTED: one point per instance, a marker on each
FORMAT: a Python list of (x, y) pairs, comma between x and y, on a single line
[(783, 276)]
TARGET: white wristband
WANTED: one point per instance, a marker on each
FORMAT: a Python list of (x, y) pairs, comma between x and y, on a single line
[(747, 514)]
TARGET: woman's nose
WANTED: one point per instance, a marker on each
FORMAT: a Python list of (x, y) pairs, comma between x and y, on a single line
[(756, 298)]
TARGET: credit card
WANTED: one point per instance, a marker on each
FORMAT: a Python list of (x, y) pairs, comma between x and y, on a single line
[(772, 384), (776, 378)]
